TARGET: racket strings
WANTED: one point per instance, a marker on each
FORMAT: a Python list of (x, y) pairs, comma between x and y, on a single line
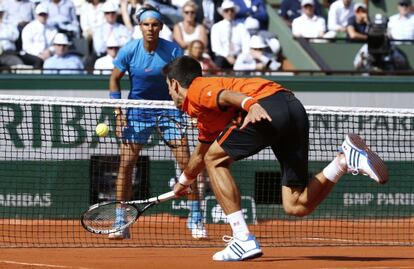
[(110, 216)]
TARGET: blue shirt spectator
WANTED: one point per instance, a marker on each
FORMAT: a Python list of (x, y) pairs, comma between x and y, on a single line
[(62, 61), (62, 15), (252, 8), (18, 12), (291, 9)]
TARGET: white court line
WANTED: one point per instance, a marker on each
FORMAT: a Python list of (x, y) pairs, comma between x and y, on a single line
[(354, 241), (40, 264)]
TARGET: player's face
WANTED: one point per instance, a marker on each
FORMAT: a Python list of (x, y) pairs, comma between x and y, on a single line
[(150, 28), (175, 93)]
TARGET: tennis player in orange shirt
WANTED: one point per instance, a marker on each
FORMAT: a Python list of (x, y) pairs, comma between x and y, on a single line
[(271, 117)]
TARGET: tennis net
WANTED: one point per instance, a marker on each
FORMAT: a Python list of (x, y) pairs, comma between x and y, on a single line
[(53, 166)]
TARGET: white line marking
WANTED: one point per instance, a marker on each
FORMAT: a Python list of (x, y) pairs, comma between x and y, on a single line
[(362, 242), (40, 264)]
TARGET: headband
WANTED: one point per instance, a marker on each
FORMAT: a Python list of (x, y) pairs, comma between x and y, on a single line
[(149, 14)]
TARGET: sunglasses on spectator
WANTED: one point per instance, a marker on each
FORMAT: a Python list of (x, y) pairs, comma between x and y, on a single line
[(228, 10), (110, 12), (404, 5), (113, 48), (189, 12)]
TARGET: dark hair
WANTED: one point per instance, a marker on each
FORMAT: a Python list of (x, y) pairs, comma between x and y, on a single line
[(145, 8), (183, 69)]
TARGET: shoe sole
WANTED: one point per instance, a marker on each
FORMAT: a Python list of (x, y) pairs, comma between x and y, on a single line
[(253, 255), (376, 163)]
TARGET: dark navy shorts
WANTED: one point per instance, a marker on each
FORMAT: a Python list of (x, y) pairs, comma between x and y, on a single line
[(287, 134)]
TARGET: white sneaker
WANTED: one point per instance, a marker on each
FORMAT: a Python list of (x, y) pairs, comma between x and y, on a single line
[(239, 250), (120, 235), (197, 229), (360, 159)]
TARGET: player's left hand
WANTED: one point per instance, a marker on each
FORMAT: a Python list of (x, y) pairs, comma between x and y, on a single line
[(181, 190), (256, 113)]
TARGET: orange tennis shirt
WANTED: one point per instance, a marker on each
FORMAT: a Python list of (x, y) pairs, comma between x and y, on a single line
[(202, 101)]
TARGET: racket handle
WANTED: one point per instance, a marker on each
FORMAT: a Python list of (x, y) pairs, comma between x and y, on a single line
[(165, 196)]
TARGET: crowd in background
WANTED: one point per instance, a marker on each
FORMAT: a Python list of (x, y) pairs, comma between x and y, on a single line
[(78, 35)]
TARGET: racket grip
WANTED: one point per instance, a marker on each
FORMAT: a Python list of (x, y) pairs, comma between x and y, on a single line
[(166, 196)]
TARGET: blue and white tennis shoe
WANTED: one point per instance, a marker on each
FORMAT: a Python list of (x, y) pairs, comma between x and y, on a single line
[(360, 159), (239, 250), (120, 221)]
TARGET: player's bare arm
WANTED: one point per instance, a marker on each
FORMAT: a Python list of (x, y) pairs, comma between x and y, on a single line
[(195, 166), (115, 88), (255, 111)]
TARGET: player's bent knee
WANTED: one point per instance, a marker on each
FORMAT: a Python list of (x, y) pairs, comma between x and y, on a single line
[(215, 157), (296, 211)]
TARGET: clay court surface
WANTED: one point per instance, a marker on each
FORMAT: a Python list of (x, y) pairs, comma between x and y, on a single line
[(66, 245), (196, 258)]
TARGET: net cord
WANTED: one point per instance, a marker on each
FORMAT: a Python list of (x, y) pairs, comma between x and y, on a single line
[(126, 103)]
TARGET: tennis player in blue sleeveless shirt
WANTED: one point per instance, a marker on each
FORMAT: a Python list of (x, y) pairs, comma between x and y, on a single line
[(144, 59)]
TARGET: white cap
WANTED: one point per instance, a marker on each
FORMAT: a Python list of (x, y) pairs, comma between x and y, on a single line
[(41, 8), (227, 4), (61, 39), (257, 42), (307, 2), (359, 5), (112, 42), (251, 23), (109, 6)]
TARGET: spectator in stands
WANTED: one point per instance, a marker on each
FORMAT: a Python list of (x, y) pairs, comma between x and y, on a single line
[(188, 30), (37, 38), (338, 16), (308, 25), (292, 9), (401, 25), (209, 13), (63, 62), (357, 28), (253, 27), (170, 9), (165, 33), (256, 58), (128, 10), (18, 12), (144, 59), (252, 8), (110, 28), (8, 35), (91, 17), (62, 15), (228, 38), (196, 49), (104, 65)]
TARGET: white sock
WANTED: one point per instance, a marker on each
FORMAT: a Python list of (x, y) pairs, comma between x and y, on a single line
[(334, 171), (238, 225)]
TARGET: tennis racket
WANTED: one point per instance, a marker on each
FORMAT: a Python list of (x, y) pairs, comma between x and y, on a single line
[(100, 218), (169, 127)]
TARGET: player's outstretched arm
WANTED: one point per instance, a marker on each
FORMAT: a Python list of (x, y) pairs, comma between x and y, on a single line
[(194, 167)]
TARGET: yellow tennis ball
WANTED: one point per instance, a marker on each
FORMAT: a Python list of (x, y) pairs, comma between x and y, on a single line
[(102, 130)]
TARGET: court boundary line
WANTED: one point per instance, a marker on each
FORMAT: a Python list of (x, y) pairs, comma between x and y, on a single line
[(40, 264)]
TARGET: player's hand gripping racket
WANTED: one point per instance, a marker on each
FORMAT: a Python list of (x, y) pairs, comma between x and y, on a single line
[(172, 130), (100, 218)]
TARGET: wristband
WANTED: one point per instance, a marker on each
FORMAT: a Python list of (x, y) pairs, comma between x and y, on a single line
[(247, 103), (114, 95), (184, 180)]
